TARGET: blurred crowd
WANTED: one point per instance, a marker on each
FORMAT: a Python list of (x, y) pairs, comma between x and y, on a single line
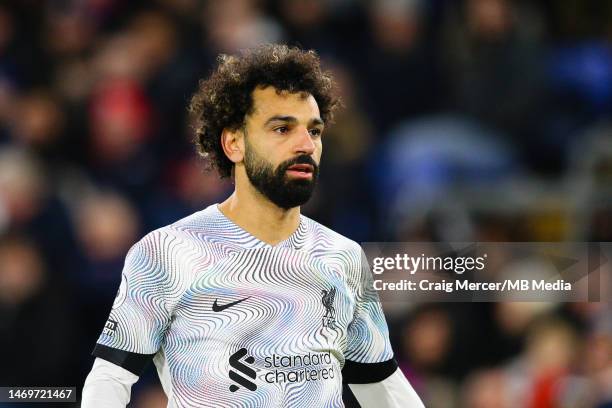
[(465, 120)]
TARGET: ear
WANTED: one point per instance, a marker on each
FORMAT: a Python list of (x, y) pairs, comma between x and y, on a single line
[(232, 143)]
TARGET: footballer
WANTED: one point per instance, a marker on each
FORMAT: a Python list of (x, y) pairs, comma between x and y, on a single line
[(248, 302)]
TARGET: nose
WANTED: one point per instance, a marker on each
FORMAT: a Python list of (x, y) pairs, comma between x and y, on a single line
[(305, 144)]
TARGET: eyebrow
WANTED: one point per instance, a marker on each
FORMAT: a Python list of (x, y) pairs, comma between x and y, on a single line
[(292, 119)]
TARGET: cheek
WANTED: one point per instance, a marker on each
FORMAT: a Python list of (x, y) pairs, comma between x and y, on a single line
[(318, 150)]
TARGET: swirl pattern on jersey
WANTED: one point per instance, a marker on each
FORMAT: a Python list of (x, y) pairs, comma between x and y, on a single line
[(269, 311)]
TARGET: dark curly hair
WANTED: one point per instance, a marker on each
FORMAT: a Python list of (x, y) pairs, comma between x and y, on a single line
[(225, 99)]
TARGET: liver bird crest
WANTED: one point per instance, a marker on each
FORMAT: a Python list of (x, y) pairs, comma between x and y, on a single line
[(327, 297)]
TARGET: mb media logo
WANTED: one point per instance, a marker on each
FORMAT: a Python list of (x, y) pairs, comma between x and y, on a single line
[(234, 361)]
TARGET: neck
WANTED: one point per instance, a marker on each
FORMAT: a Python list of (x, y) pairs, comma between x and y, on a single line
[(257, 215)]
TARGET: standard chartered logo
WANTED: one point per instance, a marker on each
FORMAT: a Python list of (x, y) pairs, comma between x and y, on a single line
[(299, 367), (280, 369), (235, 362)]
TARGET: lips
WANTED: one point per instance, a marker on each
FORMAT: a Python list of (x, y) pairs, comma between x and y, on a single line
[(302, 168), (301, 171)]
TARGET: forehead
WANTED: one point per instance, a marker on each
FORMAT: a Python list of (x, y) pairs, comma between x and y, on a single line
[(267, 102)]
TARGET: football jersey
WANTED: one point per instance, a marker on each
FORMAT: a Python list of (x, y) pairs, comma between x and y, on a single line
[(230, 320)]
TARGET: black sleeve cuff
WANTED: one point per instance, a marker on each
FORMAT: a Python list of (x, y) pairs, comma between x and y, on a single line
[(365, 373), (133, 362)]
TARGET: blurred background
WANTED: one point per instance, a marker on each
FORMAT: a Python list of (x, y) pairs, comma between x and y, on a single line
[(465, 120)]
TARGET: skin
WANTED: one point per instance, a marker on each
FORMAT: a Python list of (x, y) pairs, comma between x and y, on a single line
[(281, 127)]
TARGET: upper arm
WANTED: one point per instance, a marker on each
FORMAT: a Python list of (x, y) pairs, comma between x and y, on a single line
[(139, 317), (369, 357)]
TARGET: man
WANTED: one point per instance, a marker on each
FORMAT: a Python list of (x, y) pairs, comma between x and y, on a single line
[(249, 303)]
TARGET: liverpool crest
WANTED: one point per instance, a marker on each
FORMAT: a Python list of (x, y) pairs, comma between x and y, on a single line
[(329, 318)]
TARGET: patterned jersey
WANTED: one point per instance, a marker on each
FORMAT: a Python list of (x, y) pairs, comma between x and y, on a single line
[(230, 320)]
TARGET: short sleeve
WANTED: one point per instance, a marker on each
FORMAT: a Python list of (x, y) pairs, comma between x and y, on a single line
[(369, 357), (139, 317)]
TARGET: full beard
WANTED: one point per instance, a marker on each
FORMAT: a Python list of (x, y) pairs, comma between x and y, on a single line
[(274, 184)]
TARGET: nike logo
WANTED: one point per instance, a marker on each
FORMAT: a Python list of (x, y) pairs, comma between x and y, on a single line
[(220, 308)]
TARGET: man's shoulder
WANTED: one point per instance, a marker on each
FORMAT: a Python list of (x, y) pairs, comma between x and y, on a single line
[(323, 237), (196, 227)]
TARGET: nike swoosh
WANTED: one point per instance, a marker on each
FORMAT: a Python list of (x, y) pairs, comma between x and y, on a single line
[(219, 308)]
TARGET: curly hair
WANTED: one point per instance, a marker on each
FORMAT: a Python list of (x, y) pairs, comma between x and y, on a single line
[(225, 99)]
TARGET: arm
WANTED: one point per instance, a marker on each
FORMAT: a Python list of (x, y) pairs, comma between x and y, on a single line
[(134, 330), (107, 386), (370, 368), (393, 392)]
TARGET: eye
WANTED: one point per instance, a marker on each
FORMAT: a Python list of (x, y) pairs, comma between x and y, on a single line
[(282, 130), (316, 132)]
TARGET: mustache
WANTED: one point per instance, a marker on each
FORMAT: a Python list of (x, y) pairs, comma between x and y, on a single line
[(302, 159)]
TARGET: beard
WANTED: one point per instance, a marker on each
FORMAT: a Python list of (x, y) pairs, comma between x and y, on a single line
[(274, 184)]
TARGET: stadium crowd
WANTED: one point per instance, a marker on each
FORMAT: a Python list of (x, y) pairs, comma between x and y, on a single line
[(471, 120)]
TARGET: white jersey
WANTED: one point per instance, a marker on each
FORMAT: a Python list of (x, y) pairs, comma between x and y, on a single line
[(230, 320)]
